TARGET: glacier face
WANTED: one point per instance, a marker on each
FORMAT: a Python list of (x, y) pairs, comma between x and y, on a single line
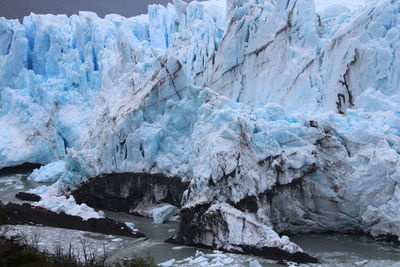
[(55, 70), (306, 61), (258, 103)]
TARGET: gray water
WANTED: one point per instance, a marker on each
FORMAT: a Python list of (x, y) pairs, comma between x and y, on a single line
[(12, 184), (331, 249)]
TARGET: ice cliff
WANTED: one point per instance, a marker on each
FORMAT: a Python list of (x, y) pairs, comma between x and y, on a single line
[(283, 115)]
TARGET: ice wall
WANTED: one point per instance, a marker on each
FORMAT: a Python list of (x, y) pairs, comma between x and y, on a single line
[(306, 61), (55, 70)]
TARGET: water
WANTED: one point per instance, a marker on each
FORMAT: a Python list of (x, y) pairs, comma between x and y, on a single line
[(157, 233), (347, 250), (331, 249), (14, 183)]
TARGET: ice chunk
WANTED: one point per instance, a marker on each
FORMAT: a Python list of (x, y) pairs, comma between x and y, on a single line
[(198, 260), (178, 247), (49, 173), (167, 263), (59, 204), (254, 263), (131, 225), (164, 213)]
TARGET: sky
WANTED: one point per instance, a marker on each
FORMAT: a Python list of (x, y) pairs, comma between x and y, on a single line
[(12, 9)]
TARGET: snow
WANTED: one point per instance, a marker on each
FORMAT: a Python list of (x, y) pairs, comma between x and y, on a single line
[(216, 93)]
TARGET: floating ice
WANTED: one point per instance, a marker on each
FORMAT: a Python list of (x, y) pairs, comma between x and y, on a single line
[(164, 213), (131, 225), (361, 263), (254, 263), (167, 263)]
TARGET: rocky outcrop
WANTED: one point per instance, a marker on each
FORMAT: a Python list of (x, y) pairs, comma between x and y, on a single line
[(28, 197), (23, 168), (26, 214), (131, 192)]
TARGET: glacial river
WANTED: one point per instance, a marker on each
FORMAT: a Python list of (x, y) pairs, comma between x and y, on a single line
[(331, 249)]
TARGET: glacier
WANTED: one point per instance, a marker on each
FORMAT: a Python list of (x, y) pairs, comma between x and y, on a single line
[(284, 116)]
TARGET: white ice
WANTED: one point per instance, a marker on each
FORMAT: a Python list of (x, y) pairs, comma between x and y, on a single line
[(202, 90)]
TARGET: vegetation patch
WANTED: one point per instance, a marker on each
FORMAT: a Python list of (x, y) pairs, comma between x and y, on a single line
[(16, 251)]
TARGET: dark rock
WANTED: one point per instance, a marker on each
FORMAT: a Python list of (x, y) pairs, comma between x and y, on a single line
[(314, 124), (277, 254), (128, 191), (387, 238), (302, 192), (27, 214), (28, 197), (248, 204), (194, 225), (23, 168)]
